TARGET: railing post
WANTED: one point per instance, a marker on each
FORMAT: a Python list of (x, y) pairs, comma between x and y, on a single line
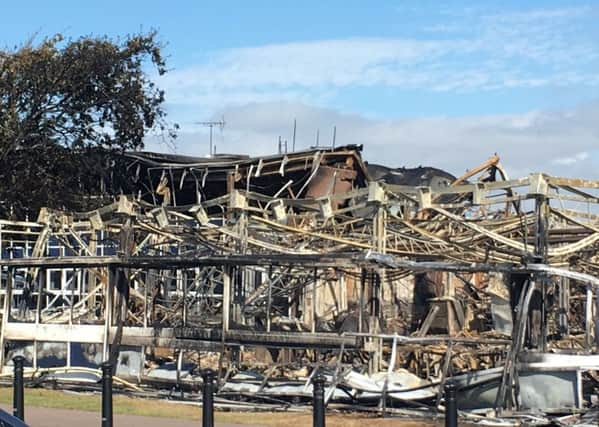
[(318, 400), (106, 394), (451, 405), (208, 398), (18, 404)]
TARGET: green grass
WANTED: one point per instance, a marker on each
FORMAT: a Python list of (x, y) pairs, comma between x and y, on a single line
[(92, 403), (43, 398)]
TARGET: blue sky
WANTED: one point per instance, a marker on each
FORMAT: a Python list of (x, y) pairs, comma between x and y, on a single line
[(417, 82)]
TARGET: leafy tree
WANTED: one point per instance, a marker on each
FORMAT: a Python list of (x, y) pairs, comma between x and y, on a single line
[(66, 107)]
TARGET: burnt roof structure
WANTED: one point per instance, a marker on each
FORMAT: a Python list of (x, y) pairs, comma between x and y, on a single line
[(184, 180)]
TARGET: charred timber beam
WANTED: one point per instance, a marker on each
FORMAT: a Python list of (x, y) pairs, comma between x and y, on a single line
[(392, 262), (134, 336), (270, 339), (331, 260), (432, 339), (318, 260)]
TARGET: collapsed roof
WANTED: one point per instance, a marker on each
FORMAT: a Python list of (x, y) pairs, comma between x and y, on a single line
[(183, 180)]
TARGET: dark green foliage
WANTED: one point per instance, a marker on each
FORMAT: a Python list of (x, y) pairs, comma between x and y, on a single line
[(65, 107)]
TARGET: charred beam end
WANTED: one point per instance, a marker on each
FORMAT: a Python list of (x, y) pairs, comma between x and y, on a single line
[(271, 339)]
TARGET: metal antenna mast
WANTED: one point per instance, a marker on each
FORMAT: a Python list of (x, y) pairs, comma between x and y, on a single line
[(220, 124)]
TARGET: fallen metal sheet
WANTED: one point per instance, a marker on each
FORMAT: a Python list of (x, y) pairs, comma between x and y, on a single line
[(281, 390), (538, 373), (550, 391), (564, 395), (74, 377), (401, 385), (168, 371)]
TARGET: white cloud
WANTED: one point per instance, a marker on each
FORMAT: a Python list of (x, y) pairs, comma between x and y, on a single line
[(335, 63), (568, 161), (544, 47)]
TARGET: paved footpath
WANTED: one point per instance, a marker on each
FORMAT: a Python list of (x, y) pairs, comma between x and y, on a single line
[(47, 417)]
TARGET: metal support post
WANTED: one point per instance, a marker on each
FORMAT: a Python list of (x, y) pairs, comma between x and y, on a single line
[(208, 398), (451, 405), (318, 400), (106, 394), (18, 405)]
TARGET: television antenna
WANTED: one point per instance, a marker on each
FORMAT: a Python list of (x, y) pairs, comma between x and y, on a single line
[(211, 124)]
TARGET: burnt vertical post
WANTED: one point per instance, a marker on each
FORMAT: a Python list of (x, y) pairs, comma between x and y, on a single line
[(269, 300), (361, 298), (318, 400), (106, 394), (18, 398), (588, 318), (538, 312), (208, 398), (227, 273), (314, 305), (564, 306), (451, 405)]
